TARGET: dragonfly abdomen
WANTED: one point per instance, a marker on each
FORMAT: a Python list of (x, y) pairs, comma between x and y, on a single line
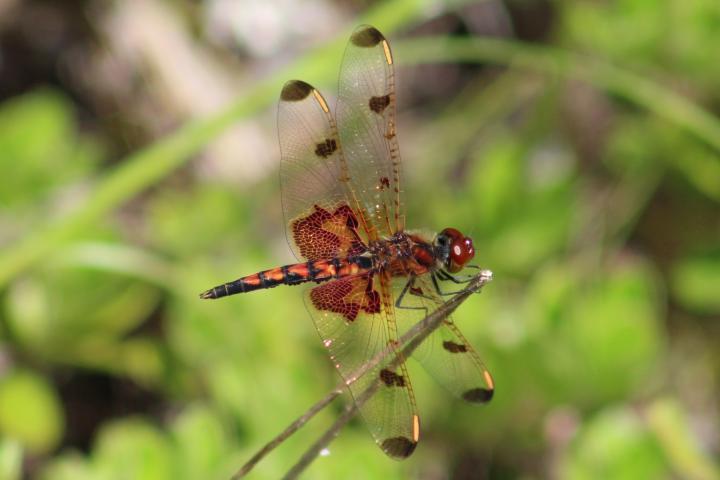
[(311, 271)]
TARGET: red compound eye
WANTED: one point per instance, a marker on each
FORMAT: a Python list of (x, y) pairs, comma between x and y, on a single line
[(461, 249)]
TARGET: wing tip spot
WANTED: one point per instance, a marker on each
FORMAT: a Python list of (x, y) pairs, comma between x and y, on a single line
[(367, 36), (478, 395), (295, 90), (398, 447)]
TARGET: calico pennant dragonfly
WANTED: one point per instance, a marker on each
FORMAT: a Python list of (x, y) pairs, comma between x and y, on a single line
[(366, 276)]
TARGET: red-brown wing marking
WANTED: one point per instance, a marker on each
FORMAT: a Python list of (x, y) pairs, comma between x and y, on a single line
[(446, 354), (347, 297), (315, 200), (327, 234), (351, 317), (366, 117)]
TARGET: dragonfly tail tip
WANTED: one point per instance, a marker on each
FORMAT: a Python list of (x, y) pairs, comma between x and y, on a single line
[(207, 294)]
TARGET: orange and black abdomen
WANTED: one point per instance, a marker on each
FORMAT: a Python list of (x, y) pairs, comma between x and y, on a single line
[(312, 271)]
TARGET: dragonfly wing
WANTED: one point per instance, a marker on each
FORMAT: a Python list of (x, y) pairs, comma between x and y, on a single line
[(366, 116), (351, 317), (446, 354), (319, 222), (335, 202)]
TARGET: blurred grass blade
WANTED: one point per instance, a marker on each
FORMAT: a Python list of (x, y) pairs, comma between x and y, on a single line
[(122, 259), (144, 168), (667, 420), (641, 91)]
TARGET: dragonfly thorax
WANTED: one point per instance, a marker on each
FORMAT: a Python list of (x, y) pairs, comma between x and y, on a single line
[(402, 254)]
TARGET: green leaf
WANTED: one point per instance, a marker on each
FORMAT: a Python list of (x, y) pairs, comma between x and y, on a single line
[(614, 444), (642, 25), (605, 340), (497, 181), (134, 449), (30, 411), (695, 282), (201, 442), (518, 209), (40, 146), (66, 313), (68, 466), (10, 459)]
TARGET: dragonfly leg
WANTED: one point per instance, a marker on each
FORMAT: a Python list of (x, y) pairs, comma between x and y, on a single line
[(459, 279), (409, 288), (446, 276)]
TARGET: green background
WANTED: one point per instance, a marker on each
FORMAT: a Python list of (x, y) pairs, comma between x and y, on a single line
[(578, 142)]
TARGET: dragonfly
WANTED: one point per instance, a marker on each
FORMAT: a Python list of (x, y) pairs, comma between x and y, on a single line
[(366, 277)]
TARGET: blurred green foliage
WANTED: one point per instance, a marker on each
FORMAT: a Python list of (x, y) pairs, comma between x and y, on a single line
[(41, 149), (29, 411), (601, 327)]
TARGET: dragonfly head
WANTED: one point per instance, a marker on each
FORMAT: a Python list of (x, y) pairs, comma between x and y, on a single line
[(453, 249)]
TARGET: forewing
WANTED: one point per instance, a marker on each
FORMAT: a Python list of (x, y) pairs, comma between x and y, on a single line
[(446, 354), (366, 117), (319, 222), (351, 317)]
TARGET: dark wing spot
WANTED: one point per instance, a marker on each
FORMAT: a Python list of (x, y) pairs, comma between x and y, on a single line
[(379, 104), (478, 395), (295, 90), (384, 183), (391, 379), (366, 36), (398, 447), (326, 148), (453, 347), (386, 376)]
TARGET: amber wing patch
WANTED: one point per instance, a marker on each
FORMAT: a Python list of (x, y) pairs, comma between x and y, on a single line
[(347, 296), (325, 235)]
